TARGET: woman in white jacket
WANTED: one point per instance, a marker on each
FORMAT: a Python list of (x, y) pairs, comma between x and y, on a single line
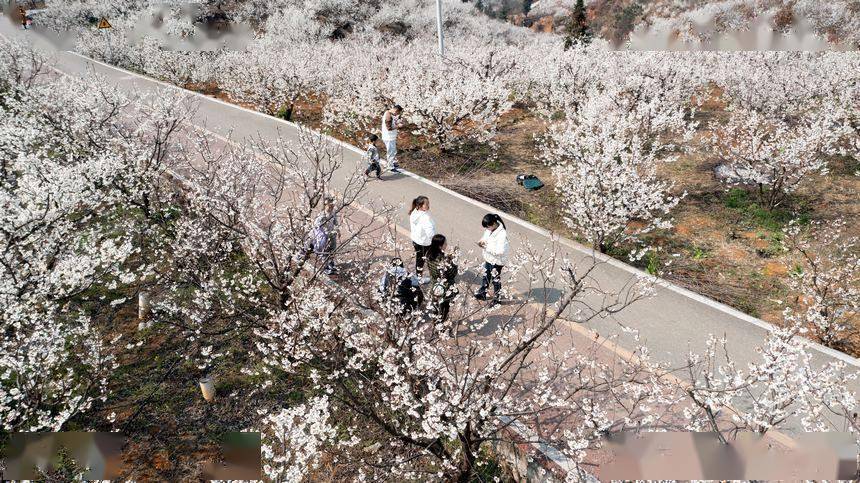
[(496, 248), (422, 229)]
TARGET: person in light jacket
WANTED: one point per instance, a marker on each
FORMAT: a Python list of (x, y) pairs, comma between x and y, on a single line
[(324, 235), (422, 229), (496, 248), (390, 124)]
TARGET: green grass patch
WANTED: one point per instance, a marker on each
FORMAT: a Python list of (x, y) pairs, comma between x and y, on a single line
[(653, 265), (699, 253), (753, 214)]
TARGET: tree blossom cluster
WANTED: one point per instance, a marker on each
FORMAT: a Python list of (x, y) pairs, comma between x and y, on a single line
[(70, 172), (784, 384), (607, 173), (827, 280), (775, 155), (837, 20), (294, 439)]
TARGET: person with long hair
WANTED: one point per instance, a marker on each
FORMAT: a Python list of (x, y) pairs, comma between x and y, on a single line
[(496, 248), (422, 229), (443, 272)]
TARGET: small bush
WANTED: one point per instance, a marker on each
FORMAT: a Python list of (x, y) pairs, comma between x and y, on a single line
[(653, 267)]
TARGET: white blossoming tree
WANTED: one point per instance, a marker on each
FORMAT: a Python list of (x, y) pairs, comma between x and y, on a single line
[(271, 76), (773, 155), (784, 387), (79, 185), (826, 280), (606, 171), (847, 103), (436, 395), (450, 101)]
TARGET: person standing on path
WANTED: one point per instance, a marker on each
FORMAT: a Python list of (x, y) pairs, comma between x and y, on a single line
[(390, 123), (496, 248), (443, 272), (422, 228), (324, 235), (372, 155)]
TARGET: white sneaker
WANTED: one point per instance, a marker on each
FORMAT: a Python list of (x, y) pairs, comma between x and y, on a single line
[(424, 280)]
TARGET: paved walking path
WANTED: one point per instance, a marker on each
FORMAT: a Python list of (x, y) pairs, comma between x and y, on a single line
[(670, 324)]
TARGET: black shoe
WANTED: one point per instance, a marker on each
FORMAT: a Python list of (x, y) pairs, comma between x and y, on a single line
[(481, 296)]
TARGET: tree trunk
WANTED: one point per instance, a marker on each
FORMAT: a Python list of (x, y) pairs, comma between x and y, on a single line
[(467, 466), (467, 462)]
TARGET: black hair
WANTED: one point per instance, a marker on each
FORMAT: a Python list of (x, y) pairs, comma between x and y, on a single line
[(435, 250), (418, 203), (397, 107), (372, 138), (396, 262), (492, 219)]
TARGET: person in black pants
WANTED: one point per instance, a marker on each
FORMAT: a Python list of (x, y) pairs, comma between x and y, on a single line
[(443, 272), (422, 229), (496, 248)]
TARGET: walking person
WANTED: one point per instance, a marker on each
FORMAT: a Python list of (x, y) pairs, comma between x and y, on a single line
[(390, 123), (443, 272), (324, 235), (422, 228), (372, 155), (496, 248)]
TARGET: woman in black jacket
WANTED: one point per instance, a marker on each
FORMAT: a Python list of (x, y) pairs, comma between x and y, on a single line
[(443, 272)]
